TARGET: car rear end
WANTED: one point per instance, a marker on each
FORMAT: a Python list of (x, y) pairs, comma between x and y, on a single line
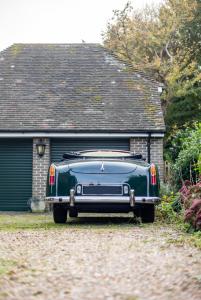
[(104, 185)]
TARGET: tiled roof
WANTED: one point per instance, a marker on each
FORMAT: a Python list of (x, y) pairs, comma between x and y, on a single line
[(74, 87)]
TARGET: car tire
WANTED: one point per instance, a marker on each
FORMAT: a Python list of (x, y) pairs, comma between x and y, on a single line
[(73, 213), (148, 213), (59, 213)]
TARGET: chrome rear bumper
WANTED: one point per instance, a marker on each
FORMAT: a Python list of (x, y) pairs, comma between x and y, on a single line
[(103, 199)]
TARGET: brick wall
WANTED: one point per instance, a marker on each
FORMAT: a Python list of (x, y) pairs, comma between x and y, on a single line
[(139, 145), (157, 154), (40, 168)]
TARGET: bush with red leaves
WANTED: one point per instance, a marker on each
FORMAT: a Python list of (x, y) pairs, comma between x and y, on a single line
[(190, 196)]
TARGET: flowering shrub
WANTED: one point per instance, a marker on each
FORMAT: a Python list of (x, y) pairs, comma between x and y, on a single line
[(183, 207), (190, 197)]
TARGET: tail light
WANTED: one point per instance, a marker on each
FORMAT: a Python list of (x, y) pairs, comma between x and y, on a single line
[(52, 175), (153, 174)]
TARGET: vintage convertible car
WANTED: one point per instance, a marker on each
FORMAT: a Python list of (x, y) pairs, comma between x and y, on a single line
[(102, 181)]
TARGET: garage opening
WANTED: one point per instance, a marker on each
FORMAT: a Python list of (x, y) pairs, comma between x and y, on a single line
[(15, 174), (60, 146)]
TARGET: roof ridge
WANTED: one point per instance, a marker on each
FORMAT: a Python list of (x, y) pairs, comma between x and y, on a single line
[(81, 43), (46, 44)]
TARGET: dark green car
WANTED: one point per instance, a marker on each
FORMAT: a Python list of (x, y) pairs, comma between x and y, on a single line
[(102, 181)]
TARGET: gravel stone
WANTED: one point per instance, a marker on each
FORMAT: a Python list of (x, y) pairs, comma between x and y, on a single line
[(100, 262)]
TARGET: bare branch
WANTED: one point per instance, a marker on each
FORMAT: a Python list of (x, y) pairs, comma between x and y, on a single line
[(168, 53)]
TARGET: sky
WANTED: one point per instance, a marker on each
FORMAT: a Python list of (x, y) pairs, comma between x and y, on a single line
[(57, 21)]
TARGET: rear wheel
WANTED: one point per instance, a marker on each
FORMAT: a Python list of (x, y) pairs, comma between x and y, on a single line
[(148, 213), (59, 213)]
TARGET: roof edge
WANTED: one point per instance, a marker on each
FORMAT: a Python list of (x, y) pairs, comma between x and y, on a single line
[(148, 131), (43, 134)]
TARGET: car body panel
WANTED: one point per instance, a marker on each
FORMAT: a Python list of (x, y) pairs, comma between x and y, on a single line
[(98, 182), (94, 172)]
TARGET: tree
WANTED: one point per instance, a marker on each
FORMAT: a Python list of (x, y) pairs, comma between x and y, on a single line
[(184, 78), (149, 39), (166, 42)]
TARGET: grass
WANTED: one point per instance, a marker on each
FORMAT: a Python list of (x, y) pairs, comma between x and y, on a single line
[(6, 265), (166, 215), (29, 221), (192, 239), (23, 221)]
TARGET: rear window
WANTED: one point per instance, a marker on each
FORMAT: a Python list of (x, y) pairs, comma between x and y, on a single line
[(105, 153)]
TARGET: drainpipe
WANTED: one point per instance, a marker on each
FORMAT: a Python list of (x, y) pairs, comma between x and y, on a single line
[(149, 148)]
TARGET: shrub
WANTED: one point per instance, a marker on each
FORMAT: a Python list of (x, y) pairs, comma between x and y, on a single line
[(166, 211), (187, 164), (190, 197)]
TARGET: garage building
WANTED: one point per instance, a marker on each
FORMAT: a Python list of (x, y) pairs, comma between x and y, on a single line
[(69, 97)]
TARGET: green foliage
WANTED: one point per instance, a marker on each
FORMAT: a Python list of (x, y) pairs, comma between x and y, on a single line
[(174, 143), (183, 151), (165, 211), (198, 168), (191, 32), (150, 38), (183, 208), (166, 190), (184, 94), (164, 41), (182, 108), (188, 238), (196, 239), (186, 165)]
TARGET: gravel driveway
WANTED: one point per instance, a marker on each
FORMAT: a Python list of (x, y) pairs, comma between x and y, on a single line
[(99, 261)]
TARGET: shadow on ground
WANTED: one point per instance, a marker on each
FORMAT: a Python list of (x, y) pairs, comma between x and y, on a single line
[(99, 220), (32, 221)]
